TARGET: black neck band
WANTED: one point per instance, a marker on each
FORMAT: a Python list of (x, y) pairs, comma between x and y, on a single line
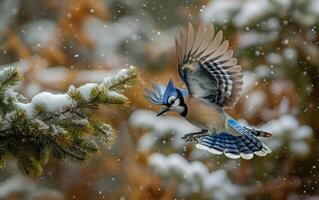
[(182, 103), (184, 113)]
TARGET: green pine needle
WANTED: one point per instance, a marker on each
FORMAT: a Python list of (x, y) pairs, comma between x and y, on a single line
[(34, 132), (124, 80), (9, 77)]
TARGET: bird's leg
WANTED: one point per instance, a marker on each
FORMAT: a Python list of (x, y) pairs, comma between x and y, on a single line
[(193, 137)]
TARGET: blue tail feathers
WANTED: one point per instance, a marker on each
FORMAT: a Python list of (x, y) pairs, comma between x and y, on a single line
[(245, 145)]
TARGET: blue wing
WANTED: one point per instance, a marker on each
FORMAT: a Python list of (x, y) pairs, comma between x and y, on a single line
[(207, 67), (156, 93)]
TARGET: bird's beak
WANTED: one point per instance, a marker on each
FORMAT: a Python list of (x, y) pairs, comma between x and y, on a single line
[(162, 111)]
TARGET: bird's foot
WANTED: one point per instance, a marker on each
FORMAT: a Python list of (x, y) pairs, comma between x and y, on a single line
[(190, 137), (193, 137)]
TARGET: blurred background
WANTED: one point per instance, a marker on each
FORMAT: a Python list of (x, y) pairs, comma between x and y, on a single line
[(55, 43)]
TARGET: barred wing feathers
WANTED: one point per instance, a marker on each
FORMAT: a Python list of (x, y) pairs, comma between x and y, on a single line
[(207, 66), (155, 94)]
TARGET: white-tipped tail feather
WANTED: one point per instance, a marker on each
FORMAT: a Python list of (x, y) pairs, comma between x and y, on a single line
[(233, 147)]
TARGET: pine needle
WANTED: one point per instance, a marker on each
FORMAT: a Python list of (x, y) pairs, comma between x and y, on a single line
[(32, 132)]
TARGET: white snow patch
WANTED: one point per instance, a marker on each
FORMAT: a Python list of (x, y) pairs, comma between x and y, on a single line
[(252, 10), (216, 184), (114, 33), (249, 81), (313, 7), (262, 71), (254, 102), (8, 13), (53, 102), (38, 32), (122, 74), (213, 180), (303, 132), (284, 4), (283, 107), (179, 165), (272, 23), (23, 185), (290, 54), (274, 58), (299, 148), (253, 38), (160, 126), (286, 129), (220, 11), (115, 94), (146, 142), (86, 90)]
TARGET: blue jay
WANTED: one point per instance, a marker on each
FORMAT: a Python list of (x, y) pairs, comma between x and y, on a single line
[(214, 82)]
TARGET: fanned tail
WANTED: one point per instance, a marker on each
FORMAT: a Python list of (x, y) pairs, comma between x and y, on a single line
[(234, 147)]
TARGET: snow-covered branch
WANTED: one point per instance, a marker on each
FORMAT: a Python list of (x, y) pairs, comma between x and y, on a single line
[(56, 125)]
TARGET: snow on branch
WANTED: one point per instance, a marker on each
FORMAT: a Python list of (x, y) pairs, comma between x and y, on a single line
[(56, 125), (193, 175)]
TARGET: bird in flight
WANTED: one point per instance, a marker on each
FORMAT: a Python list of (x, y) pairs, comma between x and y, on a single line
[(214, 82)]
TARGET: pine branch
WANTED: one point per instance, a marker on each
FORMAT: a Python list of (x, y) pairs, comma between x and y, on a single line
[(123, 80), (8, 77), (56, 125)]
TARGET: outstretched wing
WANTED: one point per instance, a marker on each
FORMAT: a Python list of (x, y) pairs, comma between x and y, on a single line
[(207, 66), (155, 95)]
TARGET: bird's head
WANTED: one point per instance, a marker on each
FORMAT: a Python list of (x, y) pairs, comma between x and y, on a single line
[(173, 100)]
